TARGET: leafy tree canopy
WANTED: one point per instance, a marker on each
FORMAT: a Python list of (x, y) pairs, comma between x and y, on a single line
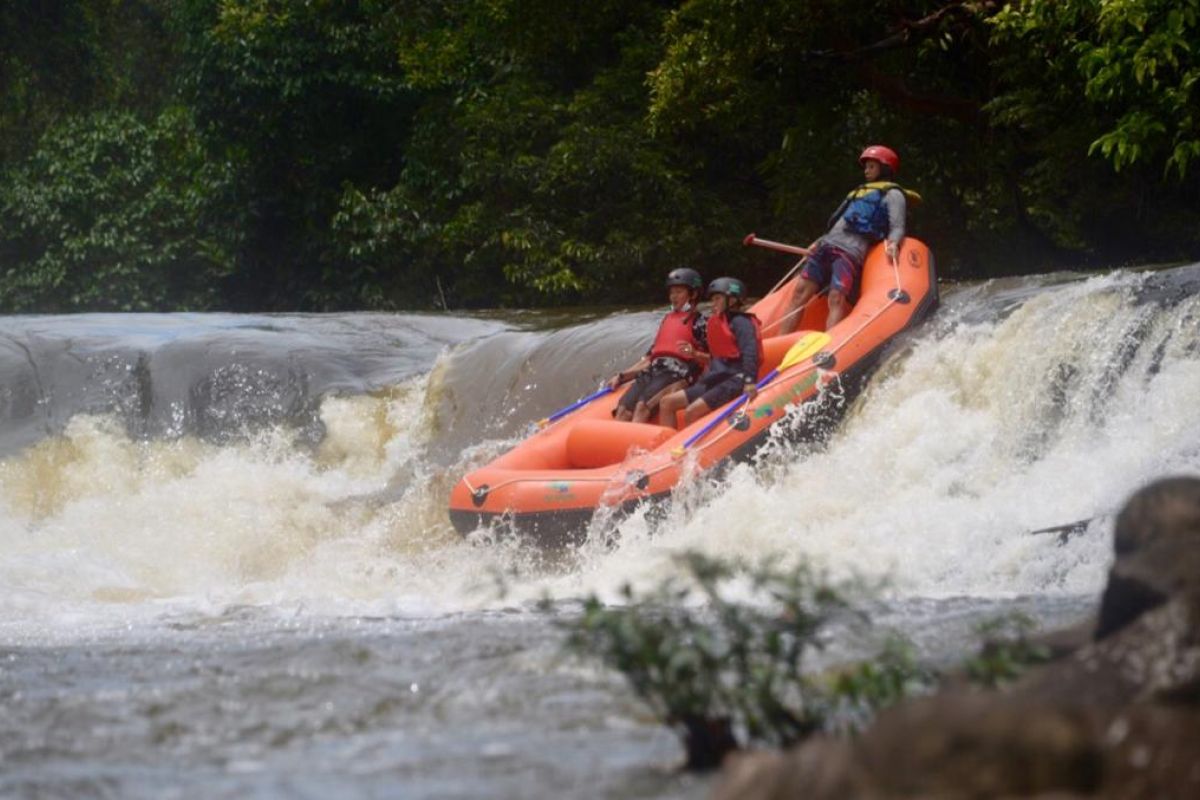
[(371, 154)]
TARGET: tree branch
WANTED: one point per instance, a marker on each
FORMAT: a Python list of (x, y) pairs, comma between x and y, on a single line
[(910, 32)]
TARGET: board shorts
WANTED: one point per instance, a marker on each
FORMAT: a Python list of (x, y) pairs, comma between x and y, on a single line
[(833, 267), (716, 389), (650, 382)]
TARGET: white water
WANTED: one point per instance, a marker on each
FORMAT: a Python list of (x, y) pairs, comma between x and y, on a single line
[(1017, 407)]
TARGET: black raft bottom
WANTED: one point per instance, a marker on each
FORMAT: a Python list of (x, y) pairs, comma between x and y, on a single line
[(547, 529)]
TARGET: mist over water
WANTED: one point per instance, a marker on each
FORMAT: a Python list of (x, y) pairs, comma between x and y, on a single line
[(144, 480)]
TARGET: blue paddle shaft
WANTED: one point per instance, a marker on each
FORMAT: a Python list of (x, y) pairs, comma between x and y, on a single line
[(725, 414), (562, 412)]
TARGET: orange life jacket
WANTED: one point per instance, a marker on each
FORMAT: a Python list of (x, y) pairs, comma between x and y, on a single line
[(676, 329)]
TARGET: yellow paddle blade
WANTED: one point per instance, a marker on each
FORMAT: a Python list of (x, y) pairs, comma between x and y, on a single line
[(806, 346)]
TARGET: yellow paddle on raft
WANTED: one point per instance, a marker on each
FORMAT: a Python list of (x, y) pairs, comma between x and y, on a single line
[(806, 346)]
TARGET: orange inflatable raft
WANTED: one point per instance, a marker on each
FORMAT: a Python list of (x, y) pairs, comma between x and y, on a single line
[(550, 485)]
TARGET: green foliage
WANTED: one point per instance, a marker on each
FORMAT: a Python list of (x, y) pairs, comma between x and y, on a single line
[(1139, 61), (1007, 651), (531, 176), (110, 213), (718, 669), (74, 57), (504, 152), (302, 100), (891, 676)]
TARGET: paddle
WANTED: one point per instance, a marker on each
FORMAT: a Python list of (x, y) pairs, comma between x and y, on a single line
[(806, 346), (752, 239), (562, 412), (1066, 531), (786, 248)]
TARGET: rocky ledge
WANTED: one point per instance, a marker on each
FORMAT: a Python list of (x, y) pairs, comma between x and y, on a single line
[(1115, 715)]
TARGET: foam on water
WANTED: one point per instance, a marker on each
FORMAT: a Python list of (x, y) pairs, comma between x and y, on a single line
[(1015, 409)]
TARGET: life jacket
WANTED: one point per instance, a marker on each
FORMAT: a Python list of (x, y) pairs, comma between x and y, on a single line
[(675, 329), (723, 344), (864, 211)]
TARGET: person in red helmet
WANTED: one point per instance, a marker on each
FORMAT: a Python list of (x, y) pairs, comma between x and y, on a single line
[(873, 212)]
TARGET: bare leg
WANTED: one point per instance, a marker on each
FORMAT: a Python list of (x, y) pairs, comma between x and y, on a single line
[(645, 409), (622, 414), (805, 289), (669, 405), (696, 410), (837, 308)]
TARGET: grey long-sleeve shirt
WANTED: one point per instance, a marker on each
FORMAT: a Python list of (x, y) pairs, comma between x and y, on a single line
[(855, 244)]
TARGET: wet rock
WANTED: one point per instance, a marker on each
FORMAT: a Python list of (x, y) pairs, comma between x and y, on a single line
[(1116, 716), (1154, 659), (942, 745), (1064, 641), (1157, 542), (1166, 509)]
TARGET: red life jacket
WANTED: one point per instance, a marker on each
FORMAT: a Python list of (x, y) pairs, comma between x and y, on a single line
[(721, 341), (676, 328)]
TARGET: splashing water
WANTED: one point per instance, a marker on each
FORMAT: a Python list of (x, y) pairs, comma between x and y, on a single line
[(1022, 404)]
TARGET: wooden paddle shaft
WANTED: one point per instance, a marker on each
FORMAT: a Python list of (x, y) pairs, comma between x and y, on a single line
[(751, 239)]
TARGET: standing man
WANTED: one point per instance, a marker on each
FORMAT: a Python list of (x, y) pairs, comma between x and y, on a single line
[(875, 211)]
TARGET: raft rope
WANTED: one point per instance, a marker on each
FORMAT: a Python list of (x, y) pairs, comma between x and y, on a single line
[(795, 311), (787, 275)]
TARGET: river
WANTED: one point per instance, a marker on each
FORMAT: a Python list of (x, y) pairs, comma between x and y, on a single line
[(226, 568)]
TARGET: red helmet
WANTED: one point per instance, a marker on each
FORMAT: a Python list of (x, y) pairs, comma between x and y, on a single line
[(884, 155)]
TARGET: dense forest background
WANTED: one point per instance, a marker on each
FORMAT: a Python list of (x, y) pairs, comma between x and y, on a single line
[(331, 154)]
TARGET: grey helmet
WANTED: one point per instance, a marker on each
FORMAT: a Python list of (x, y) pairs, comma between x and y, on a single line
[(730, 287), (685, 276)]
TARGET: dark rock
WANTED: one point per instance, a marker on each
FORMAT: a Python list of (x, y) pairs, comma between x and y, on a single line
[(1152, 751), (968, 744), (1064, 641), (1154, 659), (1167, 508), (1145, 579), (1157, 543), (1116, 716), (707, 741), (823, 768)]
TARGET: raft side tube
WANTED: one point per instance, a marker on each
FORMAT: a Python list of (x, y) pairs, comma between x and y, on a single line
[(593, 443)]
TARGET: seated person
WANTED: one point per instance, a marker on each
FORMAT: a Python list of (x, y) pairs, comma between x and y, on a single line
[(735, 345), (672, 360)]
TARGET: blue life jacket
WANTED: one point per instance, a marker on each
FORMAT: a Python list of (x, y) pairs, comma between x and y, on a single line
[(864, 211)]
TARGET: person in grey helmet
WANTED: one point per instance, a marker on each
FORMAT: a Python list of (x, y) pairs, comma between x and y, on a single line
[(675, 356), (736, 350)]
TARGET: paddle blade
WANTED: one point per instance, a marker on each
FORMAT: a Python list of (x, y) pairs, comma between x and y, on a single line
[(806, 346)]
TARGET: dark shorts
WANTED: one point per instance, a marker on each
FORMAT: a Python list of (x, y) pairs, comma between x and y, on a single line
[(833, 267), (646, 387), (716, 389)]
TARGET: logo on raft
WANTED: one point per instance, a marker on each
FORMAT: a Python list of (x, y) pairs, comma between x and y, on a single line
[(798, 388), (559, 492)]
